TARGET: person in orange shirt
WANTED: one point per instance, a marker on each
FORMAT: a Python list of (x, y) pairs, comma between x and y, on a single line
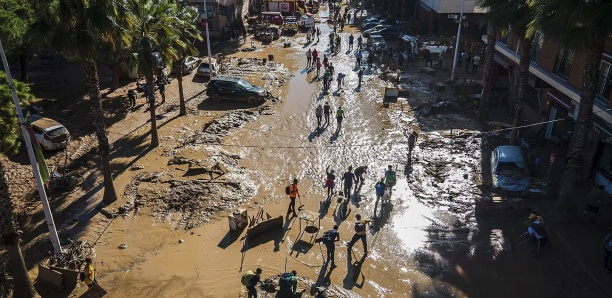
[(293, 192)]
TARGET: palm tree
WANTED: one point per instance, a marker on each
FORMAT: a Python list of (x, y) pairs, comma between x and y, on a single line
[(77, 29), (517, 14), (580, 26), (154, 28), (486, 70), (10, 238), (185, 19)]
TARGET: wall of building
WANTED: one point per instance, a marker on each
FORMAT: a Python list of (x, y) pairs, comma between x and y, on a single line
[(453, 6)]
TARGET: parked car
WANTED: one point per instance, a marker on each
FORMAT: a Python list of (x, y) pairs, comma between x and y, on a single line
[(207, 70), (220, 88), (290, 24), (274, 31), (190, 64), (370, 25), (366, 33), (390, 33), (306, 21), (508, 169), (376, 40), (50, 134), (434, 47)]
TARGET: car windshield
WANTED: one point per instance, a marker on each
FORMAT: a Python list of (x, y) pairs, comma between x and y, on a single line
[(244, 84), (510, 169), (378, 39)]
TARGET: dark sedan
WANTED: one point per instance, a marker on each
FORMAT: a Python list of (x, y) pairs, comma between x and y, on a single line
[(391, 33), (220, 88)]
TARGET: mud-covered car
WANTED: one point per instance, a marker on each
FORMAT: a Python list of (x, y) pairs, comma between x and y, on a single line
[(207, 70), (509, 170), (50, 134), (220, 88), (190, 63)]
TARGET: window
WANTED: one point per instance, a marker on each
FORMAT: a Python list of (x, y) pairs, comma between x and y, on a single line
[(605, 81), (563, 63), (536, 46)]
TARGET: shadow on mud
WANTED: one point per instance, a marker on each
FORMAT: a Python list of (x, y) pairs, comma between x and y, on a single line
[(209, 105)]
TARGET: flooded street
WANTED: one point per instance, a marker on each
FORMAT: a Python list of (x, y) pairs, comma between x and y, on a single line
[(431, 237)]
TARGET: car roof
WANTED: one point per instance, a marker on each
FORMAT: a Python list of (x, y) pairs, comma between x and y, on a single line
[(509, 154), (227, 79), (45, 123)]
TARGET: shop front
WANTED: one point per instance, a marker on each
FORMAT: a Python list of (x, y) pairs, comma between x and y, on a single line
[(602, 137)]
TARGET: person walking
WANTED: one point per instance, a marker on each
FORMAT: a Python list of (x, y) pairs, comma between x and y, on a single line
[(475, 63), (315, 56), (319, 114), (89, 273), (318, 34), (412, 139), (538, 234), (308, 58), (606, 246), (326, 111), (390, 178), (329, 239), (593, 201), (250, 279), (390, 55), (360, 234), (371, 59), (132, 96), (162, 91), (359, 173), (339, 118), (468, 60), (350, 42), (440, 60), (330, 181), (359, 43), (347, 181), (318, 66), (293, 192), (340, 80), (359, 77), (358, 56), (325, 61), (380, 192)]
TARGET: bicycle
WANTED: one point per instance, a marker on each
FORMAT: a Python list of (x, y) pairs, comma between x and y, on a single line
[(64, 182)]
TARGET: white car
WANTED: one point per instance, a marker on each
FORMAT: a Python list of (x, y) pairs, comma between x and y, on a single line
[(435, 48), (206, 70), (190, 64), (508, 169), (50, 134)]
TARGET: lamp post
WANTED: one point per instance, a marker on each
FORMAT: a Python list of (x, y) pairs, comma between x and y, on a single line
[(457, 44), (208, 39), (26, 137)]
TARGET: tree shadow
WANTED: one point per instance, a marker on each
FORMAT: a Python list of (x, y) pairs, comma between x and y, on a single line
[(226, 105)]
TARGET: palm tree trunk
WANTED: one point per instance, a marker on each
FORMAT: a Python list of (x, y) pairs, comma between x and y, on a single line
[(523, 78), (151, 98), (486, 72), (90, 70), (22, 284), (583, 124), (179, 78)]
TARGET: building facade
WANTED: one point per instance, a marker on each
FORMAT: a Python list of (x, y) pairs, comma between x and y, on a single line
[(441, 17), (556, 76), (221, 14)]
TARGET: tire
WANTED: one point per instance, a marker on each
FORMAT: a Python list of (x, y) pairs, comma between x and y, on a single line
[(251, 99), (216, 97)]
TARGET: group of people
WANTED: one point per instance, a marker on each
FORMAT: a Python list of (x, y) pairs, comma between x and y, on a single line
[(325, 110), (287, 283)]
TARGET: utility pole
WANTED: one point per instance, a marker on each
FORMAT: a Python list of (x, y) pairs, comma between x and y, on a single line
[(208, 40), (26, 137), (457, 43)]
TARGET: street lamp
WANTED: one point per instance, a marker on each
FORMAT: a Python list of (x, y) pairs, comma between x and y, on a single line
[(208, 39), (457, 44)]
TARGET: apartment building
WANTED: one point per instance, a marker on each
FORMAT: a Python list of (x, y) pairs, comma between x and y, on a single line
[(553, 97), (441, 17)]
